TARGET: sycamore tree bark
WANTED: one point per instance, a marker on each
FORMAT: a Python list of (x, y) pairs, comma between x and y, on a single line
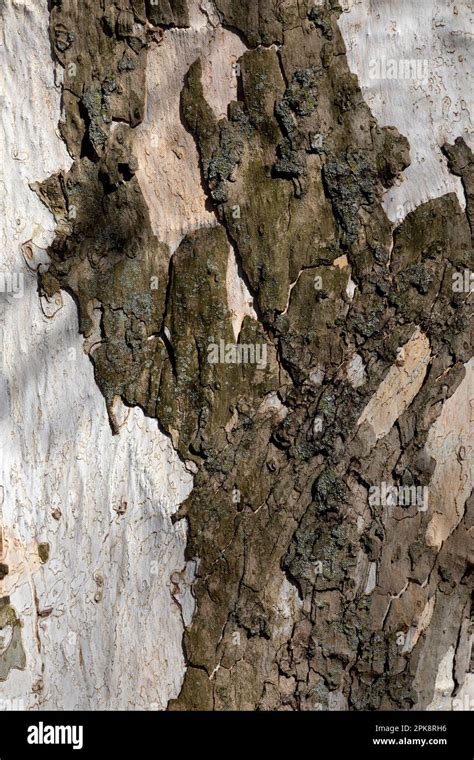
[(237, 372)]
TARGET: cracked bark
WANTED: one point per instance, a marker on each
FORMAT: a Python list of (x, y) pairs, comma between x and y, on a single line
[(308, 596)]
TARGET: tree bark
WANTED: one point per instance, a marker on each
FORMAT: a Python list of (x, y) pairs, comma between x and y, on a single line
[(279, 328)]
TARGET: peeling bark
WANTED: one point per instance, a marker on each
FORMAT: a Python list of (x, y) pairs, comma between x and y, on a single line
[(325, 411)]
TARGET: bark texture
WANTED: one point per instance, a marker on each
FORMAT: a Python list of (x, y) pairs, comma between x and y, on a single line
[(309, 593), (100, 621)]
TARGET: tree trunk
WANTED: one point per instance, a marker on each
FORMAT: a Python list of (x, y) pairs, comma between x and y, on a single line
[(236, 366)]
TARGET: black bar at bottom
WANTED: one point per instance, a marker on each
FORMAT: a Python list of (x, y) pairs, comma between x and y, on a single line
[(155, 734)]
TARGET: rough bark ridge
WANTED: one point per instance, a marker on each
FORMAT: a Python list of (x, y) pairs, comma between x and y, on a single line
[(365, 341)]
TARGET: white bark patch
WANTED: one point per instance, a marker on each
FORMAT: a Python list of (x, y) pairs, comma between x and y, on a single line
[(450, 442), (371, 578), (356, 371), (400, 386), (100, 628), (287, 606), (444, 687), (271, 403), (428, 112), (421, 625), (169, 171), (342, 263), (444, 684), (239, 300)]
